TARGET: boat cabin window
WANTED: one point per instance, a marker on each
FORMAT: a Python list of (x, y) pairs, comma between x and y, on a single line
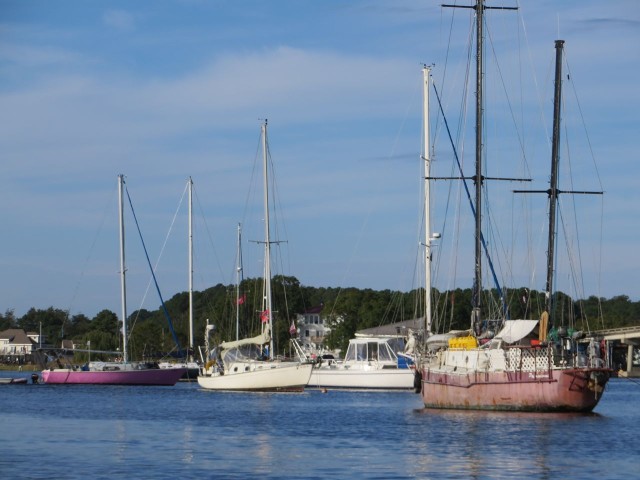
[(242, 353), (373, 351), (385, 354), (356, 352), (396, 344), (351, 353), (384, 351), (362, 352)]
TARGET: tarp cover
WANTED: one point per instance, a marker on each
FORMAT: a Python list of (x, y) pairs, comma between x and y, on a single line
[(515, 330)]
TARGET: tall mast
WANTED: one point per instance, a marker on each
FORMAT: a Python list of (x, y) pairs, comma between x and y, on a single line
[(238, 280), (554, 192), (267, 241), (426, 155), (477, 282), (190, 269), (479, 7), (123, 283), (553, 188)]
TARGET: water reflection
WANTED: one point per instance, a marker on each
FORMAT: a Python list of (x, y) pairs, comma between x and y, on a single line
[(121, 441), (488, 444), (187, 443), (184, 433)]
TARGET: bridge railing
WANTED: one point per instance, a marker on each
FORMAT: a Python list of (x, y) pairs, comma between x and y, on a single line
[(618, 331)]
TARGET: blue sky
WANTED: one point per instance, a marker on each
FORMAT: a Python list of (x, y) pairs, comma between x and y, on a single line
[(164, 90)]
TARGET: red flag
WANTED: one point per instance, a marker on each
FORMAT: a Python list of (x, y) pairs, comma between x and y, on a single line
[(241, 299), (264, 316), (292, 329)]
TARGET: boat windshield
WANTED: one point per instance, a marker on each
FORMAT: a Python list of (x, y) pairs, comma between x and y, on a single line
[(355, 352), (385, 354), (373, 351), (396, 344)]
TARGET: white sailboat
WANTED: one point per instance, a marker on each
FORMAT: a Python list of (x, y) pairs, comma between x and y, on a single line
[(518, 368), (249, 364)]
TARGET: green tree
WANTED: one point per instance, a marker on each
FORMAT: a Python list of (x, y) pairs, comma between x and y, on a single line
[(79, 325), (347, 309), (8, 320), (52, 320), (104, 332)]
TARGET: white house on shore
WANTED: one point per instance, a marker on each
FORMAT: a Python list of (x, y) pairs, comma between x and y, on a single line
[(313, 328), (15, 343)]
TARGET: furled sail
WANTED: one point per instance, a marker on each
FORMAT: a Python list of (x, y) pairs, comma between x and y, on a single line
[(261, 339)]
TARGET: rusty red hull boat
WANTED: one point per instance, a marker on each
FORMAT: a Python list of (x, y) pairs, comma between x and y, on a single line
[(567, 390), (514, 378), (537, 365)]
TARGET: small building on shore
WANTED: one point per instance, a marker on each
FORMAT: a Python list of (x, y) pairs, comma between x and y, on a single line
[(18, 346), (313, 329)]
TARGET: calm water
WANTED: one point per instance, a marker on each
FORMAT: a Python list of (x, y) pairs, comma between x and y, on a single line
[(73, 432)]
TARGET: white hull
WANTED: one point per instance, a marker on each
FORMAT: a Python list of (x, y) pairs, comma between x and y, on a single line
[(370, 363), (358, 378), (259, 376)]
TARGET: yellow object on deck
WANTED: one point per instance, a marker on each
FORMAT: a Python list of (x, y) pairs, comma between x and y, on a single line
[(463, 343), (544, 322)]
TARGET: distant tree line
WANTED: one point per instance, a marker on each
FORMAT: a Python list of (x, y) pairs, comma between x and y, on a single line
[(347, 309)]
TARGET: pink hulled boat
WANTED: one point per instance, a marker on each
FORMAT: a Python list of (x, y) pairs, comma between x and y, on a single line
[(498, 363), (111, 373), (114, 373)]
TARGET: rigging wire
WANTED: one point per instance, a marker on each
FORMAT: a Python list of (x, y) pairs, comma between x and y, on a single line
[(166, 238), (164, 308), (98, 235), (600, 184)]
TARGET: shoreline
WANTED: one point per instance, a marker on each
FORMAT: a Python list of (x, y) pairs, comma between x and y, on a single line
[(29, 367)]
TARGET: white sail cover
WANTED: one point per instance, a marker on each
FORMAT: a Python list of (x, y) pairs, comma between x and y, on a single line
[(261, 339), (515, 330)]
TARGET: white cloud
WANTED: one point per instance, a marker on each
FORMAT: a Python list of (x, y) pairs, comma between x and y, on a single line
[(343, 114), (119, 19), (32, 57), (289, 84)]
